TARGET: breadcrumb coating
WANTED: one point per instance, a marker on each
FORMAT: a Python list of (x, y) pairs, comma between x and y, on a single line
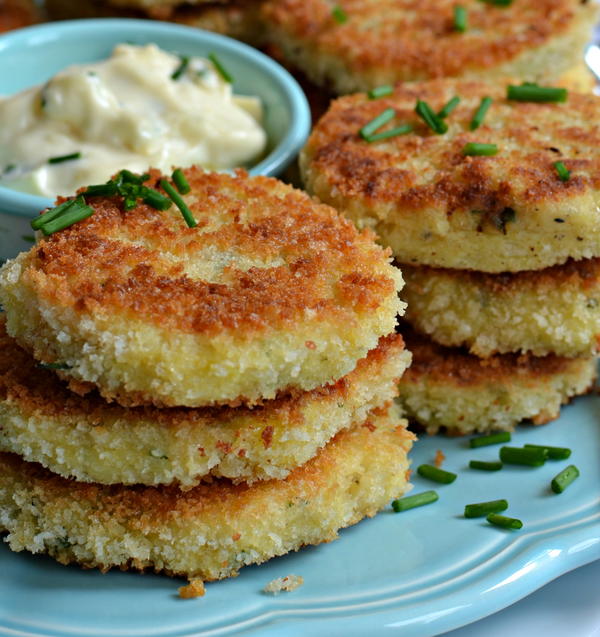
[(92, 441), (450, 390), (436, 206), (270, 292), (211, 531), (550, 311), (389, 41)]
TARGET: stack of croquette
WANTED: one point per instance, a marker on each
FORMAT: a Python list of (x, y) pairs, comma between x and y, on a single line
[(197, 396), (488, 198)]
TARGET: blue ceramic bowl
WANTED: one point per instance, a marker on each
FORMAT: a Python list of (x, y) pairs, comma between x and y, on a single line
[(33, 55)]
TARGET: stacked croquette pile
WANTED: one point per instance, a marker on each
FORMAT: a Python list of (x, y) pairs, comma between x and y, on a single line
[(491, 211), (197, 396)]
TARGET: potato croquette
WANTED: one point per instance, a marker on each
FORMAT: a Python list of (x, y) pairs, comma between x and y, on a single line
[(92, 441), (210, 531), (435, 205), (270, 293), (388, 41), (555, 310), (449, 389)]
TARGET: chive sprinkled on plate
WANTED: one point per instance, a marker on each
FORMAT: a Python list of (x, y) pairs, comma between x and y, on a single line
[(413, 501), (339, 15), (482, 465), (449, 107), (179, 202), (75, 213), (460, 19), (504, 522), (481, 509), (563, 479), (480, 113), (221, 70), (491, 439), (380, 91), (533, 93), (434, 121), (528, 456), (28, 237), (53, 365), (393, 132), (554, 453), (181, 183), (564, 174), (474, 149), (184, 62), (436, 474), (376, 123), (60, 158)]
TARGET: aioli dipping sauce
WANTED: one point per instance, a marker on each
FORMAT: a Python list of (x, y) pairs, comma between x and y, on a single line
[(141, 108)]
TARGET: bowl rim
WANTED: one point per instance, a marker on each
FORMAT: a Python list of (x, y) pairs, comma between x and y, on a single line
[(23, 204)]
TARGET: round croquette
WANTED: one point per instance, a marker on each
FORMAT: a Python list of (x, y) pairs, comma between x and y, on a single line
[(435, 205), (210, 531), (550, 311), (270, 293), (92, 441), (451, 390), (375, 42)]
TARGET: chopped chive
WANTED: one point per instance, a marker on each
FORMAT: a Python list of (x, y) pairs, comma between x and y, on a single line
[(380, 91), (393, 132), (127, 177), (492, 439), (179, 202), (60, 158), (535, 93), (523, 455), (129, 203), (220, 68), (101, 190), (155, 199), (498, 3), (425, 112), (485, 466), (554, 453), (54, 365), (460, 19), (480, 113), (449, 107), (412, 501), (564, 173), (339, 15), (184, 62), (436, 474), (370, 127), (28, 237), (180, 181), (563, 479), (77, 212), (475, 149), (51, 214), (504, 522), (480, 509)]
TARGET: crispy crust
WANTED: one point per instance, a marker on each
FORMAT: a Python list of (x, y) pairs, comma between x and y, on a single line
[(158, 312), (555, 310), (447, 388), (434, 206), (211, 531), (386, 41), (85, 438)]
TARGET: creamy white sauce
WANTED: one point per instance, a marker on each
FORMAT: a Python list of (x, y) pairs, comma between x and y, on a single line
[(125, 112)]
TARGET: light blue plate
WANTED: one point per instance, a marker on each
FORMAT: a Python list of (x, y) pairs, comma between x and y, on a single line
[(418, 573)]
